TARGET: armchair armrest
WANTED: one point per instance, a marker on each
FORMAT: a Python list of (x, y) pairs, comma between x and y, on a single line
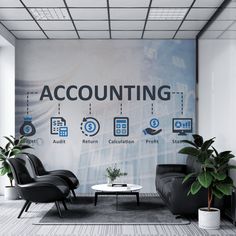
[(55, 180), (167, 168)]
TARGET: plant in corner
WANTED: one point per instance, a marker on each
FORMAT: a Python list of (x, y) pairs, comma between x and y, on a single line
[(113, 173), (12, 148), (213, 176)]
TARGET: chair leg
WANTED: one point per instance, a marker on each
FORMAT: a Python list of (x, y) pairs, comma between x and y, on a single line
[(23, 208), (58, 209), (64, 204), (73, 192), (28, 206)]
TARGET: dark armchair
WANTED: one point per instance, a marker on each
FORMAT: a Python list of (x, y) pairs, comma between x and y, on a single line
[(39, 170), (44, 190), (169, 185)]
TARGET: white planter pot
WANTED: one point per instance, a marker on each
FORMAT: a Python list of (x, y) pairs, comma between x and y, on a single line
[(209, 219), (11, 193)]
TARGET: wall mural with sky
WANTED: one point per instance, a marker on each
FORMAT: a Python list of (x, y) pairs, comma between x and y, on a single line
[(86, 105)]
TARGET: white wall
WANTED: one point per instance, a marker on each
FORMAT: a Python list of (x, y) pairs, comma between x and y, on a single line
[(217, 93), (7, 95)]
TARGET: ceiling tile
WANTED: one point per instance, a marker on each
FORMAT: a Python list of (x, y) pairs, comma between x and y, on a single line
[(56, 25), (91, 25), (200, 13), (86, 3), (228, 35), (29, 34), (129, 3), (89, 14), (186, 34), (44, 3), (211, 34), (232, 3), (21, 25), (162, 25), (193, 25), (61, 34), (127, 25), (171, 3), (227, 14), (219, 25), (14, 14), (128, 14), (50, 13), (126, 34), (208, 3), (233, 26), (94, 34), (10, 3), (159, 34)]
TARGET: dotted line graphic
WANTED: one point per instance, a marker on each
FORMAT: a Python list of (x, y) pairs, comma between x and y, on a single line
[(59, 109), (90, 108), (27, 100), (181, 101), (152, 109), (121, 109)]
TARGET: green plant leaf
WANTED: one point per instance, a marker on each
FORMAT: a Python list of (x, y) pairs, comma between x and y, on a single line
[(226, 189), (195, 187), (217, 193), (3, 171), (219, 176), (215, 151), (207, 144), (203, 156), (189, 151), (231, 167), (205, 179), (190, 142), (198, 140), (9, 140), (188, 176), (15, 152)]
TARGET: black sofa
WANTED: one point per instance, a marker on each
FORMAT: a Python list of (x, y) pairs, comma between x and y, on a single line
[(173, 192)]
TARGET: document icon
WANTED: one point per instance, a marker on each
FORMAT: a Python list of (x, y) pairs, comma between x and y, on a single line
[(58, 126)]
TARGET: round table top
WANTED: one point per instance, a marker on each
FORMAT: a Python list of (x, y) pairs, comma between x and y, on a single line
[(107, 188)]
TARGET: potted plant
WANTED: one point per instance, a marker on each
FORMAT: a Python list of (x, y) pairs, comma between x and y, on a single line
[(213, 176), (13, 148), (113, 173)]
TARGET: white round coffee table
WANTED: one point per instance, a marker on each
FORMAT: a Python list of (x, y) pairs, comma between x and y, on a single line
[(104, 189)]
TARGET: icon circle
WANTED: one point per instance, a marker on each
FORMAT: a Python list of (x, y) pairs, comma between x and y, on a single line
[(90, 126), (154, 123)]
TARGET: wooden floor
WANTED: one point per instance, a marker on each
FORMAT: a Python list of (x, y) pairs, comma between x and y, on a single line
[(10, 225)]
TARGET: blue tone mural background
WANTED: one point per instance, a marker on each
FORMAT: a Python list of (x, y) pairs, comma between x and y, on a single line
[(133, 62)]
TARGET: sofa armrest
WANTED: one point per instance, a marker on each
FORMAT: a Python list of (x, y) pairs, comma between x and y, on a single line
[(167, 168)]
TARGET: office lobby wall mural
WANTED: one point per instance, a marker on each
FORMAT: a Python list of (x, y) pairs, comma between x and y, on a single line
[(87, 105)]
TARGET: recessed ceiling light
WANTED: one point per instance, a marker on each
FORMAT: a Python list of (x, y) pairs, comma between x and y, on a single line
[(167, 14), (50, 13)]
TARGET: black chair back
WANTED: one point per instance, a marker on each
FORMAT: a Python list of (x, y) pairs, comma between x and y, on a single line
[(19, 171), (36, 165)]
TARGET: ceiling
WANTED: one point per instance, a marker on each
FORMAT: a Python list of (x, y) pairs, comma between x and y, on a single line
[(111, 19)]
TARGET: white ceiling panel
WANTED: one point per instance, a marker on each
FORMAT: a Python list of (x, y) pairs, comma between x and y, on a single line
[(228, 14), (92, 25), (129, 3), (200, 13), (29, 34), (94, 34), (10, 3), (219, 25), (228, 35), (127, 25), (233, 26), (126, 34), (162, 25), (62, 34), (171, 3), (86, 3), (232, 3), (56, 25), (192, 25), (211, 34), (186, 34), (208, 3), (89, 14), (14, 14), (21, 25), (44, 3), (159, 34), (128, 14)]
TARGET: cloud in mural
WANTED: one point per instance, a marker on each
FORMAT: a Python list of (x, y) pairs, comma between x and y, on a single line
[(178, 62)]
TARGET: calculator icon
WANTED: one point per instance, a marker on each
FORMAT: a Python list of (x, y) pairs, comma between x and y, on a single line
[(63, 132), (121, 126)]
